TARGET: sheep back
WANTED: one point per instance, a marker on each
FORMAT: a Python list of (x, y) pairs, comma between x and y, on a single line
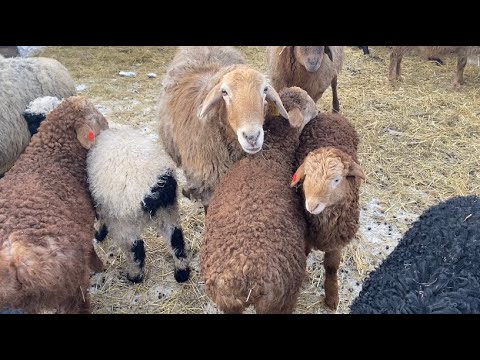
[(23, 80), (253, 244), (433, 269)]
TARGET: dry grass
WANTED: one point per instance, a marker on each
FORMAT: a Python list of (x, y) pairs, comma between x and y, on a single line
[(420, 141)]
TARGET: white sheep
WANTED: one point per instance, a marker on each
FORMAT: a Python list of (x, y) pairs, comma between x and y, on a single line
[(132, 181), (23, 80), (212, 109), (306, 67)]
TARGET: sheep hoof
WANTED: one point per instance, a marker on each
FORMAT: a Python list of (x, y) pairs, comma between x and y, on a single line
[(101, 234), (332, 302), (136, 279), (182, 275)]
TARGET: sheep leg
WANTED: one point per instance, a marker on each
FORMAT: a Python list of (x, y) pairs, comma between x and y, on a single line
[(458, 80), (394, 71), (335, 103), (331, 263), (78, 303), (126, 235), (96, 264), (173, 235), (101, 230)]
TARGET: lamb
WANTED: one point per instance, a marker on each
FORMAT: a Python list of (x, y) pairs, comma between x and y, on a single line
[(23, 80), (47, 215), (37, 111), (462, 53), (203, 134), (331, 176), (253, 250), (306, 67), (133, 184), (435, 267)]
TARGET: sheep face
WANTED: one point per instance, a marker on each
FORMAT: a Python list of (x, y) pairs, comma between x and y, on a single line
[(90, 122), (300, 106), (311, 57), (325, 174), (244, 92)]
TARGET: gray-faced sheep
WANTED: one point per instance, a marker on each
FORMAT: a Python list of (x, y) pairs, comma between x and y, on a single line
[(253, 250), (306, 67), (212, 110), (462, 53), (133, 184), (21, 81), (330, 173), (47, 215), (435, 267)]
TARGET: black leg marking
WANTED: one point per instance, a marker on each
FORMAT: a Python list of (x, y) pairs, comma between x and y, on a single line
[(101, 234), (163, 194), (33, 121), (182, 275), (178, 245), (138, 250)]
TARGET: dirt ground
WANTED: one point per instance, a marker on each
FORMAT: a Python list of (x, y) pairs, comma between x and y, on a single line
[(420, 141)]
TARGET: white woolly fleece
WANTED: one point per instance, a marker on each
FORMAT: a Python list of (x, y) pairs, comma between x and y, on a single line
[(122, 167)]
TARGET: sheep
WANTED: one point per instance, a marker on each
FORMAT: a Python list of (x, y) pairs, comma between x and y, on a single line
[(23, 80), (306, 67), (37, 111), (329, 171), (253, 250), (47, 215), (133, 184), (432, 52), (435, 267), (365, 50), (8, 51), (203, 134)]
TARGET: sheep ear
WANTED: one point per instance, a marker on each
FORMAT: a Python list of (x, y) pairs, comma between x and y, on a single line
[(273, 96), (86, 136), (356, 170), (298, 176), (212, 98), (328, 51), (295, 117)]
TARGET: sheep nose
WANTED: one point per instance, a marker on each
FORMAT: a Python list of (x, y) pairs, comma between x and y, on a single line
[(313, 61), (251, 139)]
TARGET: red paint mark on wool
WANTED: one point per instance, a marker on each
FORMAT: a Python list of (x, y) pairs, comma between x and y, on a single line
[(90, 136)]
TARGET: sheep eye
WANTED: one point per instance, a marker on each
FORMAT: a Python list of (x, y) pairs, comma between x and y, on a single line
[(337, 180), (224, 92)]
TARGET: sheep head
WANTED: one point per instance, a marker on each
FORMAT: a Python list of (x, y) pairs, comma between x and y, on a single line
[(244, 92), (325, 174), (90, 122), (311, 57), (300, 106)]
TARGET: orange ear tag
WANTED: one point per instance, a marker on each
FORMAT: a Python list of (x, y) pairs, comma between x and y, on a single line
[(294, 177)]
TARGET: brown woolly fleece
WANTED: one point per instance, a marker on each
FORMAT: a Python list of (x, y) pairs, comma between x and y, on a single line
[(253, 250), (47, 216), (336, 226)]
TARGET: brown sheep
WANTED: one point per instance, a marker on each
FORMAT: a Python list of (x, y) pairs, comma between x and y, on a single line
[(462, 53), (253, 250), (306, 67), (47, 215), (329, 170), (212, 113)]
